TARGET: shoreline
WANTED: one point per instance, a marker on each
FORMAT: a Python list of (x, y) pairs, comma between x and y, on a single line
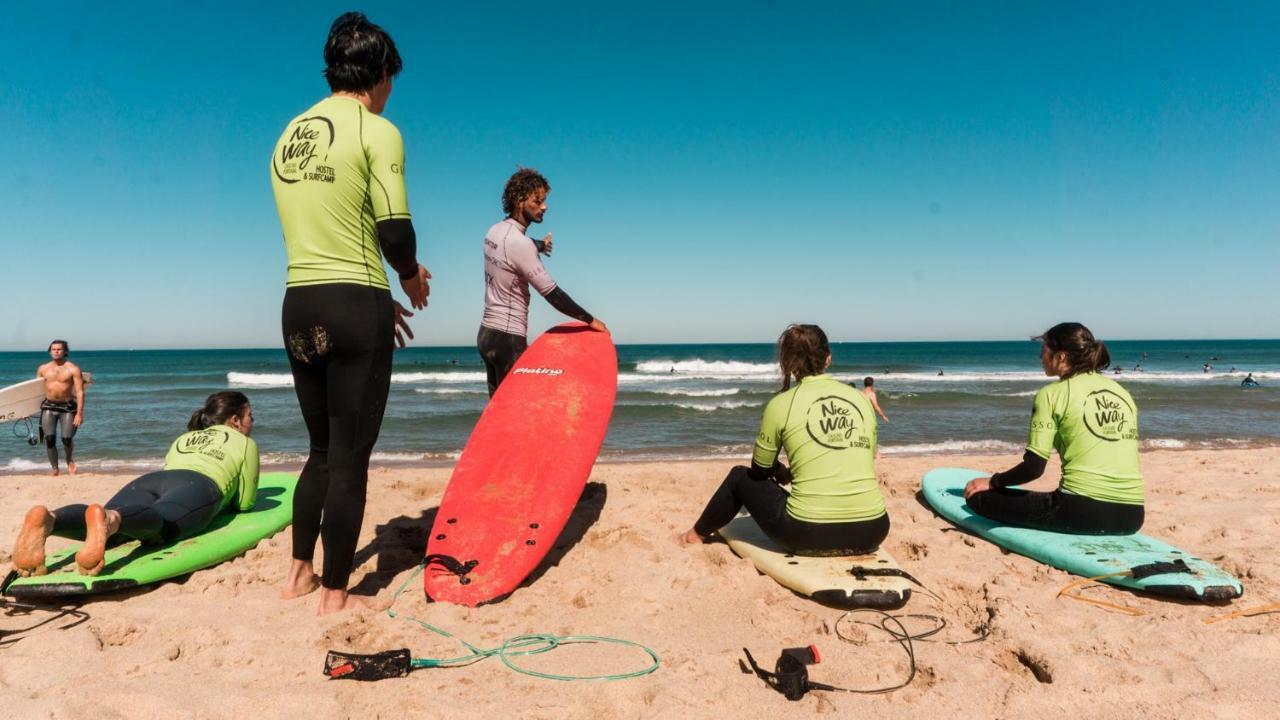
[(962, 448)]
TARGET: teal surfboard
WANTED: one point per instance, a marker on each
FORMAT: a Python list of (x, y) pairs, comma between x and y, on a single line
[(133, 564), (1084, 555)]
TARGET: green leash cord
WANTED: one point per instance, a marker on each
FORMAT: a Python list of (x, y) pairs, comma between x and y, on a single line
[(531, 644)]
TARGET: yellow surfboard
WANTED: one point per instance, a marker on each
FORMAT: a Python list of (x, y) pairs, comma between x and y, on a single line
[(845, 581)]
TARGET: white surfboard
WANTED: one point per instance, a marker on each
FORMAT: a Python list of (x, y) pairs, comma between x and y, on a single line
[(845, 581), (21, 400)]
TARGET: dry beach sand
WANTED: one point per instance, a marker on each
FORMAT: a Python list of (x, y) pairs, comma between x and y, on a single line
[(220, 643)]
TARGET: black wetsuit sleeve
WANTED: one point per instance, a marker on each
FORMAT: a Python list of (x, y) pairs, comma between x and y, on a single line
[(561, 301), (779, 473), (1031, 467), (399, 245)]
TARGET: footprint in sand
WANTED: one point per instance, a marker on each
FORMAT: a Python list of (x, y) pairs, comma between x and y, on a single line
[(916, 551), (117, 633)]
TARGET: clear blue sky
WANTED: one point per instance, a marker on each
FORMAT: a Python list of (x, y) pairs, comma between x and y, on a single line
[(888, 170)]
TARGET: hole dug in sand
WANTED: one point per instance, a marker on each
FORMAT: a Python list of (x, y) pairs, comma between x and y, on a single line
[(1035, 663)]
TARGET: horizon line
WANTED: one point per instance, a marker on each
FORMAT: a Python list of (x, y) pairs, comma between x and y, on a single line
[(668, 344)]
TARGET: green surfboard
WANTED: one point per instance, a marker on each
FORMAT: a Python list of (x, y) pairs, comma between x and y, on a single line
[(133, 564), (1085, 555)]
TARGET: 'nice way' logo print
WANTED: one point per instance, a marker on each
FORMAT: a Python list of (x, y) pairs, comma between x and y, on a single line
[(837, 423), (1110, 417)]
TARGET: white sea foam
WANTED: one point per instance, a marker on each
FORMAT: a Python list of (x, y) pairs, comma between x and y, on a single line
[(18, 465), (725, 405), (412, 457), (690, 392), (21, 465), (952, 447), (438, 377), (448, 391), (708, 368), (1163, 444), (1023, 393), (272, 380), (259, 380)]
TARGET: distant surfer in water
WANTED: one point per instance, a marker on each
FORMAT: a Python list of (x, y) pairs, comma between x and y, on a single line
[(1092, 421), (63, 406), (511, 265), (828, 430), (1248, 381), (211, 467), (869, 389), (337, 173)]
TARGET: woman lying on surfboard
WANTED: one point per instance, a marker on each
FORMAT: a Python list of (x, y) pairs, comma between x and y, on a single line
[(209, 468), (1093, 424), (829, 432)]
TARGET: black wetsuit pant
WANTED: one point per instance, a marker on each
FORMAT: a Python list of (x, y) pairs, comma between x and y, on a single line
[(1058, 511), (55, 416), (500, 351), (767, 503), (339, 337), (159, 507)]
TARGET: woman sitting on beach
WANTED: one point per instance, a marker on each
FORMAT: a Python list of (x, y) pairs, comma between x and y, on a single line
[(1093, 423), (207, 468), (829, 432)]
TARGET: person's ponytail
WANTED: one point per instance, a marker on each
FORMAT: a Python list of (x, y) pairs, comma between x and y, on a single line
[(218, 409), (1101, 358), (802, 351), (1084, 352)]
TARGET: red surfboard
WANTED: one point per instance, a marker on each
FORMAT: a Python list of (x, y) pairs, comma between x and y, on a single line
[(524, 467)]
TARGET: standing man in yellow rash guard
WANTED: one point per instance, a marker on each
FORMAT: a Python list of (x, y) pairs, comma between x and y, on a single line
[(338, 176)]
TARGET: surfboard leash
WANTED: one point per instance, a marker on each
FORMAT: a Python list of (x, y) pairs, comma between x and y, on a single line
[(398, 663), (861, 573), (1138, 572), (1254, 611), (790, 675)]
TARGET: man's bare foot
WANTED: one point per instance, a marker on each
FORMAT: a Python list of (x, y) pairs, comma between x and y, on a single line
[(332, 601), (691, 537), (71, 467), (301, 580), (100, 524), (53, 472), (28, 549)]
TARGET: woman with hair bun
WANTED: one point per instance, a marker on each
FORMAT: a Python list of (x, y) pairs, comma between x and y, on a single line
[(211, 467), (1093, 424), (828, 430)]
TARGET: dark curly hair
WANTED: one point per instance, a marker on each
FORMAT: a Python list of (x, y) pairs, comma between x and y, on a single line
[(358, 54), (525, 182)]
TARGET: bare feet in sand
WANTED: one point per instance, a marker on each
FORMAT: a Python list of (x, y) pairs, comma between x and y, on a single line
[(301, 580), (71, 467), (691, 537), (28, 549), (100, 524), (332, 601), (53, 472)]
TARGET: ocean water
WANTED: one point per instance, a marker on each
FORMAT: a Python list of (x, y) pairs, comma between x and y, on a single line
[(674, 401)]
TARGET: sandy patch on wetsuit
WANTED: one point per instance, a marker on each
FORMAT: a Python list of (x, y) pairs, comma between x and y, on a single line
[(221, 643)]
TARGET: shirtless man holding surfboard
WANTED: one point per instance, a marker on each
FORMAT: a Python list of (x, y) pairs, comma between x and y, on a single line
[(63, 404)]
